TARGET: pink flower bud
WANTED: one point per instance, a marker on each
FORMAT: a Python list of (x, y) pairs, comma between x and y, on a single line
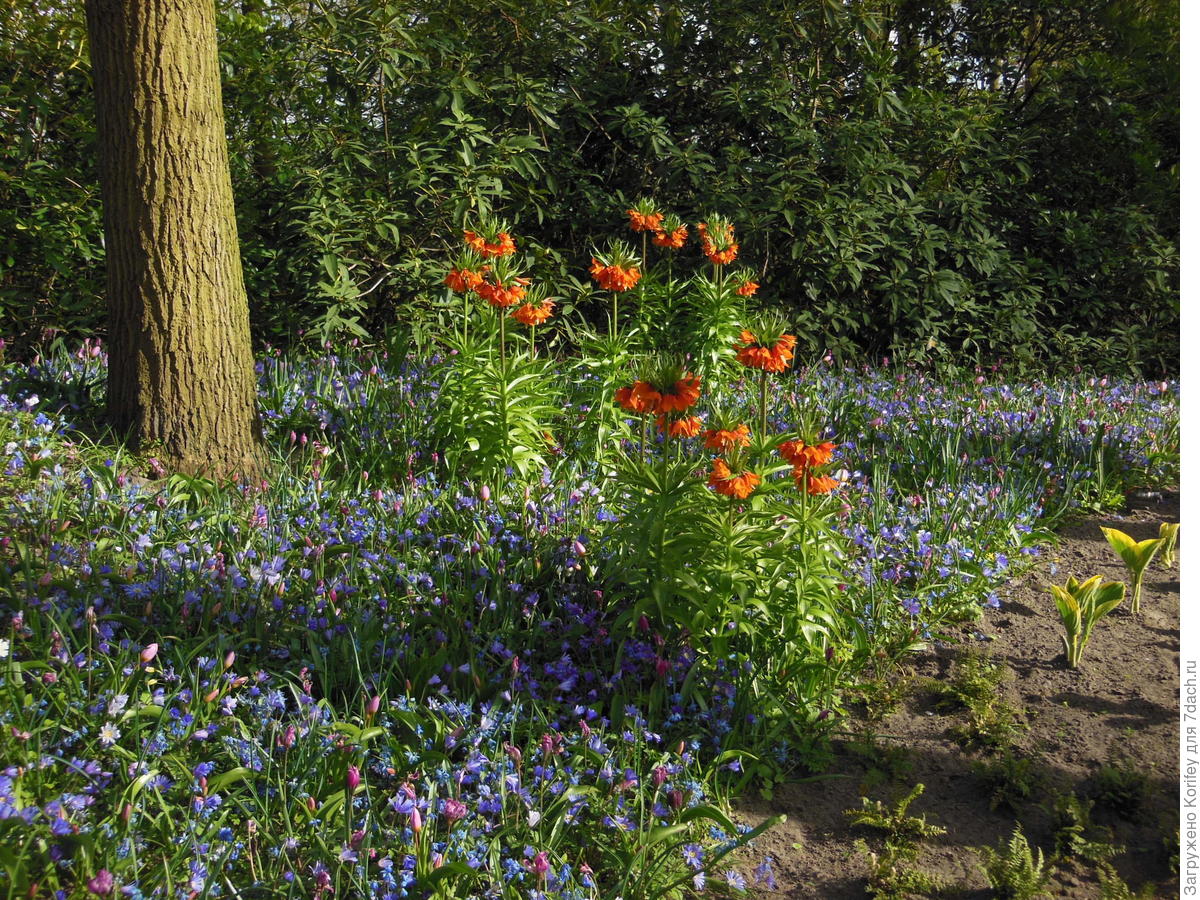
[(415, 819), (580, 550), (148, 653), (353, 779), (373, 705), (485, 493), (659, 776), (101, 884)]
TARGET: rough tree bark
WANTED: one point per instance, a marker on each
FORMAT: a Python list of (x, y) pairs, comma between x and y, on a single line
[(181, 373)]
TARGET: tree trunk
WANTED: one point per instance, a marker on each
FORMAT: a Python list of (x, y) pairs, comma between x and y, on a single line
[(181, 374)]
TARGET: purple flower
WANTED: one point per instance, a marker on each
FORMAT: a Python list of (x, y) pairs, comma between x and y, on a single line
[(453, 810), (102, 884)]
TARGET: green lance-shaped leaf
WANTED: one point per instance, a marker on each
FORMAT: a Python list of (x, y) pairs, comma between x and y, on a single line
[(1081, 606), (1136, 557), (1168, 533)]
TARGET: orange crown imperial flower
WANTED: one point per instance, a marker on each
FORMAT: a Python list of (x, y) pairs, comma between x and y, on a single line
[(463, 280), (718, 243), (688, 426), (814, 484), (723, 481), (502, 246), (615, 278), (723, 439), (640, 221), (770, 359), (748, 288), (503, 296), (639, 398), (806, 456), (680, 396), (672, 240), (534, 314)]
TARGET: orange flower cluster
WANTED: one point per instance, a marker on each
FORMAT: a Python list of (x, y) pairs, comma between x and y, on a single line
[(464, 280), (643, 221), (682, 395), (816, 484), (748, 288), (806, 457), (723, 250), (503, 247), (640, 398), (529, 314), (725, 482), (688, 426), (614, 278), (503, 296), (672, 241), (775, 358), (643, 397), (723, 440)]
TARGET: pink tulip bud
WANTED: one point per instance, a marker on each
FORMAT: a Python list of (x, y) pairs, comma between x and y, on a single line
[(353, 779), (373, 705), (580, 550), (415, 819), (485, 493), (148, 653), (229, 658)]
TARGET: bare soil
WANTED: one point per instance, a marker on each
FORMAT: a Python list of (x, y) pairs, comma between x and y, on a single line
[(1119, 708)]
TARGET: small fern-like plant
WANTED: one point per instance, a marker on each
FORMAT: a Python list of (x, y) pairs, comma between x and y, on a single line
[(895, 822), (1137, 556), (1081, 605), (1113, 887), (1015, 871)]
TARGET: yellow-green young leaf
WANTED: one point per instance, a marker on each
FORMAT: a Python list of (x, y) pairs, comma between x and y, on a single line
[(1118, 540), (1144, 552), (1068, 608), (1111, 592)]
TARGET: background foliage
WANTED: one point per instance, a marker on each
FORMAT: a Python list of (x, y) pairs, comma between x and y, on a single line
[(978, 180)]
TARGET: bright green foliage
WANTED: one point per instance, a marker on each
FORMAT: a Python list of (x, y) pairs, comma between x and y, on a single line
[(1113, 887), (895, 822), (1074, 833), (1081, 606), (1136, 556), (975, 684), (1016, 871), (1168, 534), (894, 875), (912, 182)]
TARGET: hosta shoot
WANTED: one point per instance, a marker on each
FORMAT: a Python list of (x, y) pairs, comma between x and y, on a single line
[(1081, 606), (1136, 556)]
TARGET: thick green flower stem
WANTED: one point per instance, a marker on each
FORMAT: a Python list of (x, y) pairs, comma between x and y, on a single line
[(503, 390), (466, 311), (503, 359), (1136, 606), (762, 406), (612, 327)]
